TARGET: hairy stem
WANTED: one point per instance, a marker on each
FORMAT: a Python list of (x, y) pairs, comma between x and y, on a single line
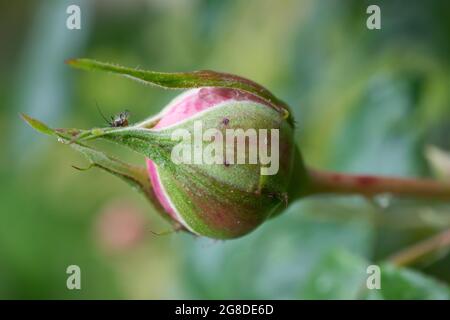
[(369, 185)]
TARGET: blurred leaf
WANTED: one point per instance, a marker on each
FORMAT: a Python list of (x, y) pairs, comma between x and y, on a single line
[(338, 275), (439, 161), (342, 275), (275, 261), (401, 283)]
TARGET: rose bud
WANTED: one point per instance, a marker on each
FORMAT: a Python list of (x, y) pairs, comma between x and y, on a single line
[(224, 199), (221, 158)]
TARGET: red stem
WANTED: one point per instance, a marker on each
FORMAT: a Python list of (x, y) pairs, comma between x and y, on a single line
[(368, 185)]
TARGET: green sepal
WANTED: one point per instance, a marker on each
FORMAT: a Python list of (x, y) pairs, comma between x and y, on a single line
[(186, 80), (135, 176)]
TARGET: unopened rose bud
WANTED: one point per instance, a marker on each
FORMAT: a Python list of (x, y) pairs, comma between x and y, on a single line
[(245, 180)]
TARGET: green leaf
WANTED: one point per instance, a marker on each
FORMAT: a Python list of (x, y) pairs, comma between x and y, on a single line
[(338, 275), (439, 161), (185, 80), (402, 283), (276, 260), (343, 275)]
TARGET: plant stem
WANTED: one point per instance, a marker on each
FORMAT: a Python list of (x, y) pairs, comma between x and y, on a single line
[(412, 254), (369, 185)]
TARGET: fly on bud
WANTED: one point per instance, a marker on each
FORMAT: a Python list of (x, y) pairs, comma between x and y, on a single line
[(120, 120)]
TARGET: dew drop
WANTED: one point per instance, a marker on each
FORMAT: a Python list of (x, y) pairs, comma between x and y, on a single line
[(384, 200)]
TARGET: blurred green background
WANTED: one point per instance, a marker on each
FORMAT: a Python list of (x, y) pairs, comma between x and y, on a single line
[(365, 101)]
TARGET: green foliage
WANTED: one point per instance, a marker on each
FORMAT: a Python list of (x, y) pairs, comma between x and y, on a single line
[(400, 283), (341, 275)]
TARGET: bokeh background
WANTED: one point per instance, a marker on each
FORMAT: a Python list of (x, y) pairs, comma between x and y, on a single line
[(365, 101)]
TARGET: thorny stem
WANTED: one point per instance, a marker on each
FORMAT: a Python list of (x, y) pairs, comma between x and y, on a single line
[(414, 253), (370, 186)]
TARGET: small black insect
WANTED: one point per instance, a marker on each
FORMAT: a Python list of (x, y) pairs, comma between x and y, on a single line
[(120, 120)]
